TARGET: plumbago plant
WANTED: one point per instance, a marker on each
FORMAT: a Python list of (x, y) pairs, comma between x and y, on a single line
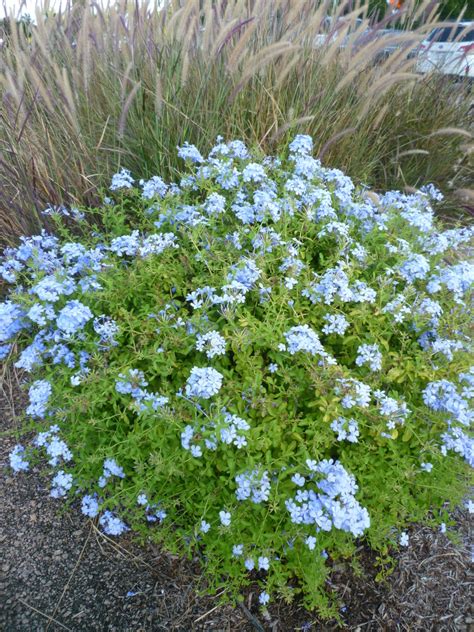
[(262, 364)]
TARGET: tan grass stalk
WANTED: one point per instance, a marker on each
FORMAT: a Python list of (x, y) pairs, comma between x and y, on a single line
[(126, 107), (448, 131), (290, 125), (235, 57), (158, 94)]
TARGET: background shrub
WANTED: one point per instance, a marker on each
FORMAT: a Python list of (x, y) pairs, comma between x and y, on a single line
[(90, 90), (262, 364)]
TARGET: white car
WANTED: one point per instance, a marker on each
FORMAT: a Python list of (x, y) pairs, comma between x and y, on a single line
[(448, 50)]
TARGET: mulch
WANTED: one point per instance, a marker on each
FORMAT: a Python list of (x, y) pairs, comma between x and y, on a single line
[(59, 572)]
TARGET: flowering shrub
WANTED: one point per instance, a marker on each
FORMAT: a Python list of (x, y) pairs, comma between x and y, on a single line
[(263, 363)]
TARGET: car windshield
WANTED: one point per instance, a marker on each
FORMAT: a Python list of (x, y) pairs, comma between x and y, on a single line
[(449, 34)]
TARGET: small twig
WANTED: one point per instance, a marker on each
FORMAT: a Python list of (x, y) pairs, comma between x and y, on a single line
[(69, 580), (44, 615), (253, 620), (121, 550), (203, 616)]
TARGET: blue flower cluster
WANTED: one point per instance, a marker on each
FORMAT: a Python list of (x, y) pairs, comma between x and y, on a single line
[(90, 506), (18, 462), (112, 524), (335, 324), (227, 429), (329, 501), (444, 397), (61, 484), (347, 429), (303, 338), (369, 355), (203, 382), (40, 392), (134, 384), (56, 448), (212, 343), (354, 393), (111, 468), (254, 485)]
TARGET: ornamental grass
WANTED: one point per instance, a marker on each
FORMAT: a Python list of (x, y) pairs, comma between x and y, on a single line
[(96, 88)]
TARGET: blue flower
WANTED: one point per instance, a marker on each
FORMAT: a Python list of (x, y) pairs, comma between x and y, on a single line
[(111, 524), (18, 463), (39, 392), (190, 153), (244, 274), (225, 518), (303, 338), (11, 320), (369, 354), (122, 180), (51, 288), (142, 500), (111, 468), (107, 329), (56, 449), (254, 172), (90, 506), (155, 187), (301, 144), (249, 564), (4, 351), (212, 342), (346, 429), (333, 504), (298, 480), (61, 484), (415, 267), (264, 598), (254, 485), (335, 324), (73, 317), (355, 393), (310, 542), (432, 192), (214, 204), (263, 563), (203, 382), (125, 244)]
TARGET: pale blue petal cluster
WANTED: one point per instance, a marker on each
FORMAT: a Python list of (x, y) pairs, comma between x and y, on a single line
[(212, 343), (369, 355), (203, 382), (18, 462), (253, 485), (328, 500), (39, 393)]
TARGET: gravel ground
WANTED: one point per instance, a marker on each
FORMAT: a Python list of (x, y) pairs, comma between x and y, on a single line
[(58, 572)]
